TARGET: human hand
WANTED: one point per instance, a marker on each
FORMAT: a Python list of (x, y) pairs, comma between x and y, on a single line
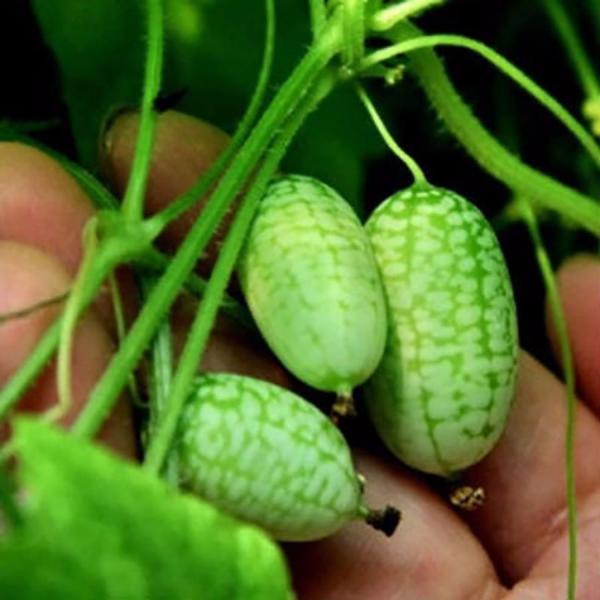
[(518, 537)]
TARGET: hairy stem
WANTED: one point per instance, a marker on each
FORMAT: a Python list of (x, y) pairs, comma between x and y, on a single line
[(158, 222), (133, 201)]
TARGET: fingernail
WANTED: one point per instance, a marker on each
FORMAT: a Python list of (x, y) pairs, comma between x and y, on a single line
[(110, 130)]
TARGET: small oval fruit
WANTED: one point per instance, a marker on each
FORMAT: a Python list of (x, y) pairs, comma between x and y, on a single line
[(312, 284), (441, 395), (264, 455)]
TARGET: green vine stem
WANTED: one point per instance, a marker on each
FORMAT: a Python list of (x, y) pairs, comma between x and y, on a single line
[(407, 159), (133, 201), (488, 152), (506, 67), (569, 373), (572, 44), (152, 260), (69, 322), (390, 16), (121, 327), (112, 253), (92, 271), (288, 99)]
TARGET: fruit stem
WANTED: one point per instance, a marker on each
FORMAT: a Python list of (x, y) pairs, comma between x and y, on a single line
[(385, 520), (409, 161), (343, 406)]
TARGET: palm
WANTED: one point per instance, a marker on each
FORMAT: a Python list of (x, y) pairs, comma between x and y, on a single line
[(517, 541)]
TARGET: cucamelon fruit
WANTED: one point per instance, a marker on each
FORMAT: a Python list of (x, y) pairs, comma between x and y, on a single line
[(312, 284), (442, 393), (264, 455)]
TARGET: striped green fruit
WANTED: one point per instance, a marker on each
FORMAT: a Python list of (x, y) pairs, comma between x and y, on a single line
[(441, 395), (264, 455), (312, 284)]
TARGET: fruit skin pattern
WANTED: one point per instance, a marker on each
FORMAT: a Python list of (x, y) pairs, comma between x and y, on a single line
[(312, 284), (442, 393), (266, 456)]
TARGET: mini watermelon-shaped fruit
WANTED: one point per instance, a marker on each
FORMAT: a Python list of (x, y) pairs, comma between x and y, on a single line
[(265, 455), (312, 284), (441, 395)]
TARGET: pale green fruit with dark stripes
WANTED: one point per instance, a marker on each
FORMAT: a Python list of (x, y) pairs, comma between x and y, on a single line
[(264, 455), (312, 284), (441, 396)]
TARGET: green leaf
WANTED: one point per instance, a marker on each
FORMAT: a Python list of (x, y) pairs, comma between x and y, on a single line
[(97, 527)]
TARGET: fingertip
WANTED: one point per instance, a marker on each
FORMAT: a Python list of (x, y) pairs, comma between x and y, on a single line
[(41, 205)]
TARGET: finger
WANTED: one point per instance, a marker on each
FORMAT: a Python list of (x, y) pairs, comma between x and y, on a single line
[(29, 276), (43, 207), (431, 556), (523, 519), (184, 148), (579, 286)]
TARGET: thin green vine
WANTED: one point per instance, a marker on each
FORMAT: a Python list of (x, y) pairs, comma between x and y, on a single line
[(18, 384), (133, 201), (407, 159), (569, 373), (8, 506), (488, 152), (390, 16)]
